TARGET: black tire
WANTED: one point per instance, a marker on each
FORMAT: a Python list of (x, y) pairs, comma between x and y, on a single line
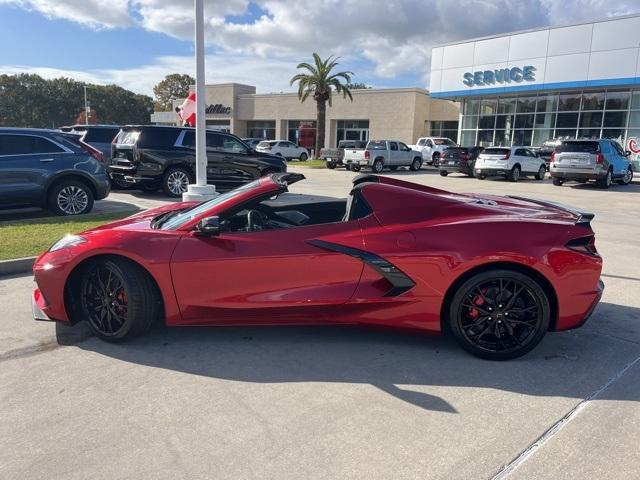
[(605, 182), (443, 173), (303, 157), (499, 314), (331, 165), (150, 187), (542, 171), (628, 177), (416, 165), (481, 177), (118, 299), (393, 168), (514, 174), (557, 181), (378, 166), (175, 181), (355, 168), (70, 197)]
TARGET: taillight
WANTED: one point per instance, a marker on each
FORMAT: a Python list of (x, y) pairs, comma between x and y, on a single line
[(94, 152), (367, 155), (553, 157), (586, 245), (599, 159)]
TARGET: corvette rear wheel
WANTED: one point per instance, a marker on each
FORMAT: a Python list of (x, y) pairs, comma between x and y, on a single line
[(499, 314), (118, 299)]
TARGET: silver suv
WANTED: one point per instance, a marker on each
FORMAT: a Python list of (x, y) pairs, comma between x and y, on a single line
[(601, 160)]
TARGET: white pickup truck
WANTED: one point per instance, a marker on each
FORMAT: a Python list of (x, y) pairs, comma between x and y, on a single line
[(432, 148), (381, 154)]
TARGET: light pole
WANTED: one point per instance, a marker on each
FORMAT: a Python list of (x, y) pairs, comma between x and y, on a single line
[(86, 107), (200, 190)]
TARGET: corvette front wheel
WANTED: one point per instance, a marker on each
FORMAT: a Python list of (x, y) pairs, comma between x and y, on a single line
[(118, 299), (499, 314)]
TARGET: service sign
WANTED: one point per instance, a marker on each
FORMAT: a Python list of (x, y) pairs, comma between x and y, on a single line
[(500, 76)]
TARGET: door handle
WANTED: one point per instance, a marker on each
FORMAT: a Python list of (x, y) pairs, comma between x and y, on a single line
[(46, 160)]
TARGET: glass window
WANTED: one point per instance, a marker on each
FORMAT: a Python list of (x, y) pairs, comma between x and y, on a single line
[(261, 129), (487, 121), (615, 119), (541, 136), (488, 106), (522, 137), (158, 137), (469, 121), (403, 146), (189, 139), (593, 100), (614, 133), (471, 107), (567, 120), (524, 121), (100, 134), (545, 120), (565, 133), (393, 146), (231, 145), (485, 137), (504, 121), (590, 119), (569, 101), (589, 133), (506, 105), (617, 99), (352, 124), (547, 103), (468, 137), (634, 119), (578, 147), (26, 144), (635, 99), (502, 138), (526, 104)]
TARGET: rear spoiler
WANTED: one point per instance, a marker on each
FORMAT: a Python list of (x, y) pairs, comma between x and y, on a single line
[(583, 220)]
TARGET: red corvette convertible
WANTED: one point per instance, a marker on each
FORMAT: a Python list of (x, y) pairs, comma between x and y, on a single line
[(496, 272)]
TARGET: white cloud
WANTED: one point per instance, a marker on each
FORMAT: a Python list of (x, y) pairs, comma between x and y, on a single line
[(396, 36)]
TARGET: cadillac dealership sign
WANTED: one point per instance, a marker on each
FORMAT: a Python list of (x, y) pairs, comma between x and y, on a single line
[(218, 108), (501, 76)]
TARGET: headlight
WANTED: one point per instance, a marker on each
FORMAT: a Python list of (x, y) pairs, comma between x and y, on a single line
[(67, 241)]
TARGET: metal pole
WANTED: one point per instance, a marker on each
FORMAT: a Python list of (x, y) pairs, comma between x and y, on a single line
[(86, 107), (201, 140)]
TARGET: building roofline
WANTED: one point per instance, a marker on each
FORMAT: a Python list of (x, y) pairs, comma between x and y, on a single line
[(358, 91), (539, 29)]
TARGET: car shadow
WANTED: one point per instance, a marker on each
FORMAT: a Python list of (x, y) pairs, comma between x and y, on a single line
[(411, 368), (633, 187)]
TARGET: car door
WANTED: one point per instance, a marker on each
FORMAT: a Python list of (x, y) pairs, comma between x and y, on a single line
[(520, 157), (266, 277), (26, 162), (620, 162), (405, 154), (284, 150), (394, 154), (238, 165)]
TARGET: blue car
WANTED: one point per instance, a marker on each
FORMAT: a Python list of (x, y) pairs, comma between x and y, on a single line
[(602, 161), (50, 169)]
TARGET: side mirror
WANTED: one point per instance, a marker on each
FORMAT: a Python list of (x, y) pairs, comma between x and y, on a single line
[(627, 153), (208, 227)]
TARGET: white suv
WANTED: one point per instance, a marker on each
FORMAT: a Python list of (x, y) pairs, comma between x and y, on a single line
[(283, 148), (509, 162)]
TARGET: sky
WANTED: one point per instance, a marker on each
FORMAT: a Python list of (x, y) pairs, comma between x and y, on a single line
[(386, 43)]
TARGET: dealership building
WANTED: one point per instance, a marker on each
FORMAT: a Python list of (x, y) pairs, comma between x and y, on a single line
[(522, 88), (378, 113)]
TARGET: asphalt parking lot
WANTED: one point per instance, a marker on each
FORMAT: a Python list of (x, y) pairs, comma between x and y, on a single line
[(326, 403)]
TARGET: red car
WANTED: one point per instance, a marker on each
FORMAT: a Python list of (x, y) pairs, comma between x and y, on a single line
[(497, 272)]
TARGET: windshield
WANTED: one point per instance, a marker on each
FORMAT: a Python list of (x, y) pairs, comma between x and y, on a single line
[(185, 216), (578, 147)]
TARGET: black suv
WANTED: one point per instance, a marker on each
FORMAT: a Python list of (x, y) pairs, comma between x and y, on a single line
[(164, 157), (50, 169)]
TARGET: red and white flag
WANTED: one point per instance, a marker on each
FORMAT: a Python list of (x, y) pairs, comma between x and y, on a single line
[(187, 110)]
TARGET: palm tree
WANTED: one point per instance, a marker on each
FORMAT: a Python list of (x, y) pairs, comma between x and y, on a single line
[(320, 82)]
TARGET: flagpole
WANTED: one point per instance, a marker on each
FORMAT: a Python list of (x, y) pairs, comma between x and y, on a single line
[(200, 190)]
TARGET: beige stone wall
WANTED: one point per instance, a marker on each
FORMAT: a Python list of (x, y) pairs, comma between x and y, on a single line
[(395, 113)]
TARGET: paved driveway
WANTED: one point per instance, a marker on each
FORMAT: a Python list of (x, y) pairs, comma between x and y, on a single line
[(332, 403)]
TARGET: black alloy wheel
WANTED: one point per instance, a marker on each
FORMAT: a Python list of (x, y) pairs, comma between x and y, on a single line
[(541, 173), (378, 166), (118, 299), (514, 174), (499, 315), (303, 157), (557, 181), (628, 176), (605, 182), (416, 165), (443, 173), (70, 197)]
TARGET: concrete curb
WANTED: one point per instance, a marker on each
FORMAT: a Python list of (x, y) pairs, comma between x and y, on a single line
[(16, 266)]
